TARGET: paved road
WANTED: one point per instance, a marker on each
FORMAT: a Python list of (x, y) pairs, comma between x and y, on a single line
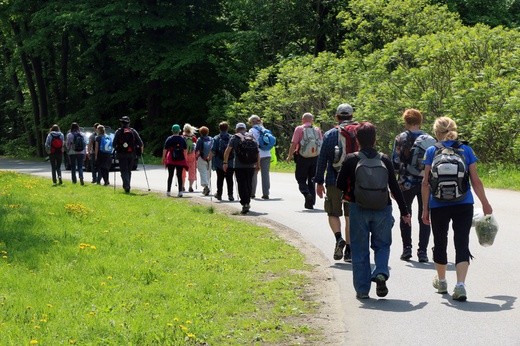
[(412, 313)]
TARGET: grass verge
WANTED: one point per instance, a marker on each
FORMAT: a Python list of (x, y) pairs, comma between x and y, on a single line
[(83, 265)]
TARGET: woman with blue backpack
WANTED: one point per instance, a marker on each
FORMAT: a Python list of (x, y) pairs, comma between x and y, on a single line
[(103, 151), (202, 153)]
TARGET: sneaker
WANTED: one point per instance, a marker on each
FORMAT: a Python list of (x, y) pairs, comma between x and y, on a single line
[(218, 197), (81, 182), (205, 191), (190, 189), (179, 194), (265, 197), (381, 289), (168, 193), (441, 286), (253, 196), (245, 209), (231, 198), (459, 293), (60, 181), (309, 201), (362, 296), (422, 256), (348, 254), (407, 253), (338, 249)]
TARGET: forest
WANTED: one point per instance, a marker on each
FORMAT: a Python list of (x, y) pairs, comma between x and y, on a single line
[(162, 62)]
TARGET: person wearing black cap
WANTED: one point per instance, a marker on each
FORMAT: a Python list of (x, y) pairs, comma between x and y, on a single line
[(334, 204), (127, 142)]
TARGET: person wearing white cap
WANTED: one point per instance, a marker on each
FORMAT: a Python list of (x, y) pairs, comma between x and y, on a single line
[(246, 161), (257, 129), (326, 174)]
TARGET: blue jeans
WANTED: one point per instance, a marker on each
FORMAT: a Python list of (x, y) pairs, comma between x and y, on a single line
[(369, 229), (76, 162)]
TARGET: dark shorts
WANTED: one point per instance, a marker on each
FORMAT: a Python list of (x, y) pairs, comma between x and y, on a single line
[(334, 204)]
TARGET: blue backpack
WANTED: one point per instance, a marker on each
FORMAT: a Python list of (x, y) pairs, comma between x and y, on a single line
[(207, 143), (223, 141), (266, 141), (105, 144)]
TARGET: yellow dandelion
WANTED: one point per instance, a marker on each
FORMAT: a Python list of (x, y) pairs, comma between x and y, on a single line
[(44, 320), (176, 319), (93, 247), (33, 342), (188, 322), (190, 335), (49, 305), (109, 278), (36, 327), (103, 283), (72, 341), (169, 324), (183, 328)]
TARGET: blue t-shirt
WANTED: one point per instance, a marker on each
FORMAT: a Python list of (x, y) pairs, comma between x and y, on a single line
[(470, 158)]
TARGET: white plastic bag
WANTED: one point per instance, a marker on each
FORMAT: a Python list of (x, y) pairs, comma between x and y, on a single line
[(478, 215), (486, 227)]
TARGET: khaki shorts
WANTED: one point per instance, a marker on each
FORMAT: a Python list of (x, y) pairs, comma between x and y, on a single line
[(334, 204)]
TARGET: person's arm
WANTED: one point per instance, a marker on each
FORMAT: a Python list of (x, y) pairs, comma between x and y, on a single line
[(290, 155), (96, 149), (227, 152), (397, 193), (478, 187), (321, 165), (139, 141), (425, 195)]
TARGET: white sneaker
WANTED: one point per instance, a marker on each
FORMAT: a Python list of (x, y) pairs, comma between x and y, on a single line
[(441, 286), (179, 194)]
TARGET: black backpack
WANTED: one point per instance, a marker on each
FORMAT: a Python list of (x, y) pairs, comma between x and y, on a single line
[(247, 149), (177, 152), (126, 140), (371, 187), (78, 141)]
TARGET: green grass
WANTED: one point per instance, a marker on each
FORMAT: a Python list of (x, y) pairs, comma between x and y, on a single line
[(500, 176), (84, 265)]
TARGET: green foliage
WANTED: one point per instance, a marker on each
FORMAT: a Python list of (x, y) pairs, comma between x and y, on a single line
[(371, 24), (169, 275), (468, 74), (490, 12)]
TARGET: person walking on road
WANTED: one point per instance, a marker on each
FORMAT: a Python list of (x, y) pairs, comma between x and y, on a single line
[(326, 174), (127, 141), (446, 201), (202, 153), (91, 148), (407, 156), (174, 159), (191, 140), (305, 148), (76, 148), (256, 130), (365, 177), (54, 147), (102, 155), (220, 143), (246, 161)]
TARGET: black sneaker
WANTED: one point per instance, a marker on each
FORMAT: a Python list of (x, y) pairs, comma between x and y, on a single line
[(422, 256), (265, 197), (338, 249), (190, 189), (348, 254), (381, 289), (362, 296), (309, 202), (218, 197), (407, 253), (205, 191), (60, 181), (245, 209), (231, 198)]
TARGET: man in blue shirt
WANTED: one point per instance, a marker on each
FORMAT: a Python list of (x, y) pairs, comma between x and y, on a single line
[(334, 204)]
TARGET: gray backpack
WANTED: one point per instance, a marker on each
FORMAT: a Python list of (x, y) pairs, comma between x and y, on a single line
[(371, 187)]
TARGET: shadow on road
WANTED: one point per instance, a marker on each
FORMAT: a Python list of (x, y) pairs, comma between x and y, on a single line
[(508, 302), (392, 305)]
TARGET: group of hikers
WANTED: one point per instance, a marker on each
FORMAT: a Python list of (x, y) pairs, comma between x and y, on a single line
[(342, 166)]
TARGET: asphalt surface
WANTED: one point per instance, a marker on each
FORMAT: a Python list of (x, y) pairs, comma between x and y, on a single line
[(412, 312)]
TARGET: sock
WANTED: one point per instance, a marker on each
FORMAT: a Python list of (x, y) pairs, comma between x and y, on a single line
[(338, 236), (442, 280), (460, 283)]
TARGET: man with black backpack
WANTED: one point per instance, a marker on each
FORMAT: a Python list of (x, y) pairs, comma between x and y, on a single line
[(246, 160), (337, 142), (127, 142), (407, 159), (365, 177), (220, 143)]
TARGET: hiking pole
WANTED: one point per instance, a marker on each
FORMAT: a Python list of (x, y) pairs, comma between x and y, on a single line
[(209, 183), (113, 158), (145, 175)]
